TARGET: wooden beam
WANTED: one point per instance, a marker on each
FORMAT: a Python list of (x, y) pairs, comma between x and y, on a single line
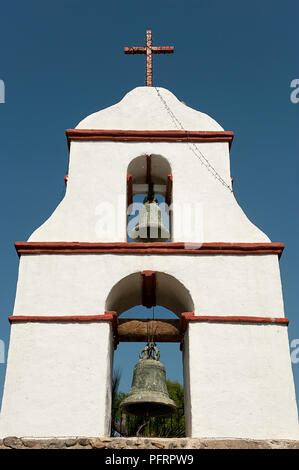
[(148, 288), (129, 192), (136, 330), (148, 169), (168, 190)]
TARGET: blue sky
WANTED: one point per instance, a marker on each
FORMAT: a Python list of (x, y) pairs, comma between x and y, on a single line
[(234, 60)]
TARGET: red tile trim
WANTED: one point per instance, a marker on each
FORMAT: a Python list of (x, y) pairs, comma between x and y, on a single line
[(169, 248), (108, 316), (187, 317), (148, 136)]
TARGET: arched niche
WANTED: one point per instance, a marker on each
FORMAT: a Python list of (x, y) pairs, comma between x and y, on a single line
[(150, 172), (150, 167), (168, 292)]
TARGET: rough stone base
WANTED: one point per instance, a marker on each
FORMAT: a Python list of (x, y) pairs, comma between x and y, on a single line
[(143, 443)]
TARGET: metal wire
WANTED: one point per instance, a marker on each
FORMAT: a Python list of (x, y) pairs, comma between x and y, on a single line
[(193, 147)]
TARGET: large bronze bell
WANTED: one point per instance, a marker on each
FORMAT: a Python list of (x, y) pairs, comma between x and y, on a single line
[(150, 226), (148, 395)]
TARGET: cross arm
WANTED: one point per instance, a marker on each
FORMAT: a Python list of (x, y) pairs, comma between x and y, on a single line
[(163, 50), (135, 50)]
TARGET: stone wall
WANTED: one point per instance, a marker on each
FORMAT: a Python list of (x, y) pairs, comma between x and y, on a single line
[(144, 443)]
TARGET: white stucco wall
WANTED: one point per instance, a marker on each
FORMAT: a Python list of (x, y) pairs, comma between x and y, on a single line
[(58, 380), (94, 207), (187, 385), (221, 361), (238, 380), (96, 188), (241, 381), (218, 284), (141, 109)]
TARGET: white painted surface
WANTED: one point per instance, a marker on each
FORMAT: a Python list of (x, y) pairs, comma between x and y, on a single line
[(238, 379), (241, 382), (218, 284), (188, 404), (240, 285), (94, 207), (58, 380), (141, 109)]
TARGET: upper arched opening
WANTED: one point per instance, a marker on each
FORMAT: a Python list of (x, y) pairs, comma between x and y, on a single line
[(149, 168), (149, 287), (149, 180)]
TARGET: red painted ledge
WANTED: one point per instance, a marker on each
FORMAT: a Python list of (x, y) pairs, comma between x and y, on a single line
[(112, 317), (148, 136), (177, 248), (108, 316), (187, 317)]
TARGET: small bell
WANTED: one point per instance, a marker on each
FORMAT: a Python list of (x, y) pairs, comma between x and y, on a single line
[(150, 226), (148, 395)]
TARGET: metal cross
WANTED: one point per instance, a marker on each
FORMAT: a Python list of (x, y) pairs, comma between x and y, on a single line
[(149, 49)]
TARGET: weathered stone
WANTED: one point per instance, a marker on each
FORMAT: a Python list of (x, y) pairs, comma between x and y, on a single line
[(236, 444), (32, 443), (253, 444), (158, 444), (293, 445), (55, 443), (36, 443), (172, 445), (83, 442), (13, 442), (96, 443), (70, 442)]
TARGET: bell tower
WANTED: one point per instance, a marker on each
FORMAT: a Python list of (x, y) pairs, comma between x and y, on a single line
[(213, 268)]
